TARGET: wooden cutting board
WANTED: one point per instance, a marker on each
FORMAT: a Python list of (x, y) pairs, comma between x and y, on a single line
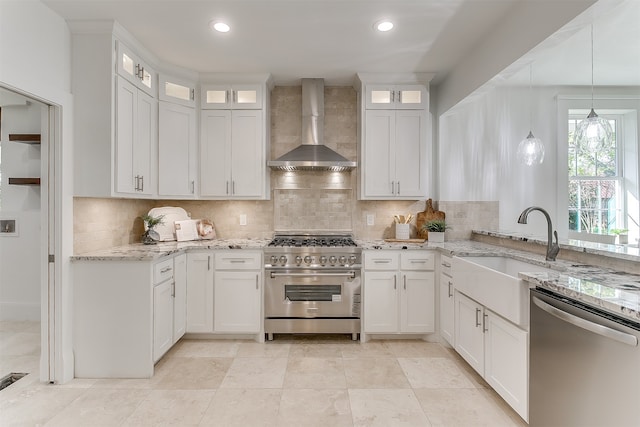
[(422, 218)]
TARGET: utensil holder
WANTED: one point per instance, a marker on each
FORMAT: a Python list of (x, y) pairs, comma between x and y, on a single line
[(402, 231)]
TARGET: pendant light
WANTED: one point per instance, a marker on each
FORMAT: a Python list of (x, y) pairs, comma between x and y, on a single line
[(593, 132), (531, 149)]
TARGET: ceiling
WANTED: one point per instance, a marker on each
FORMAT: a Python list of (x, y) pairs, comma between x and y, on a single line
[(292, 39)]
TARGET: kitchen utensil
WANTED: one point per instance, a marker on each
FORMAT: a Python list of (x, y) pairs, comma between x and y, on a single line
[(429, 214)]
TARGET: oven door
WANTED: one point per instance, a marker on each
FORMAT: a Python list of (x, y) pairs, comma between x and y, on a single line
[(312, 293)]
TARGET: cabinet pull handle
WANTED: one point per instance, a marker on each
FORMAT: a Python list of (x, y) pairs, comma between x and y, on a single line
[(382, 261), (233, 187), (418, 261), (173, 289), (478, 311), (141, 182), (446, 264), (399, 97), (193, 187), (393, 187), (208, 262), (398, 193), (227, 187), (484, 323), (137, 70), (237, 261), (393, 96), (193, 94), (395, 278), (257, 286), (405, 282), (165, 270), (450, 287)]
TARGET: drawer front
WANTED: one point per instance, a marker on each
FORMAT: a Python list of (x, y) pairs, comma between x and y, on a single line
[(381, 260), (445, 265), (238, 260), (162, 271), (418, 260)]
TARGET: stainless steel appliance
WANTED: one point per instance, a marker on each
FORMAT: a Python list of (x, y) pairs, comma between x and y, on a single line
[(584, 365), (312, 285)]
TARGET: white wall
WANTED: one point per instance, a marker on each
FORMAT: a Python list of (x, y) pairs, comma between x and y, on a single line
[(20, 252), (35, 50)]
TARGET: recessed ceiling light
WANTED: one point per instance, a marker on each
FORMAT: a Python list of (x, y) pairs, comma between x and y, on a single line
[(383, 25), (221, 27)]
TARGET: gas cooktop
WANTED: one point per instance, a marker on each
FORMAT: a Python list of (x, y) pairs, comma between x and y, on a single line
[(304, 241)]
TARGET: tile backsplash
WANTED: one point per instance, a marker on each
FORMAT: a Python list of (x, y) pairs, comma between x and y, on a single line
[(299, 200)]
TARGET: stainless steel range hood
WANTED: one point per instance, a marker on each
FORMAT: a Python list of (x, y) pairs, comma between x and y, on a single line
[(312, 154)]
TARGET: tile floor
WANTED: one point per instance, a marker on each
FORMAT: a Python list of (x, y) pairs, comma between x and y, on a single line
[(292, 381)]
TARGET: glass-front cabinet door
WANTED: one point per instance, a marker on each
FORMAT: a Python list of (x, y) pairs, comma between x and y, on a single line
[(391, 97), (177, 91), (134, 69), (231, 97)]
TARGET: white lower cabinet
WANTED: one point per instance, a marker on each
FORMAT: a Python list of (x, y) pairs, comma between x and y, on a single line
[(199, 292), (496, 348), (126, 315), (398, 292), (446, 300), (237, 291), (179, 297)]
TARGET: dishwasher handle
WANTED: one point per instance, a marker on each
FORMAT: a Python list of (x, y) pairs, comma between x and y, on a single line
[(585, 324)]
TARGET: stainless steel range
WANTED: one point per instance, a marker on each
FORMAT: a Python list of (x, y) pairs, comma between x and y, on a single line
[(312, 285)]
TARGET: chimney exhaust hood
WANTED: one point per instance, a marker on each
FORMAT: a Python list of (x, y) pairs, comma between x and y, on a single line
[(312, 154)]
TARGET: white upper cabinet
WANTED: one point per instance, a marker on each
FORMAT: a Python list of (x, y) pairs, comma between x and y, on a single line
[(134, 69), (407, 97), (395, 133), (226, 97), (177, 91)]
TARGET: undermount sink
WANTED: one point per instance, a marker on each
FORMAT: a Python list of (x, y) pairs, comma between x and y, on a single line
[(493, 282)]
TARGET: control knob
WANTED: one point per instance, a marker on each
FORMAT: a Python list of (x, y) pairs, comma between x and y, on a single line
[(298, 259), (332, 259), (274, 260), (283, 260), (343, 260), (352, 259), (323, 259), (307, 259)]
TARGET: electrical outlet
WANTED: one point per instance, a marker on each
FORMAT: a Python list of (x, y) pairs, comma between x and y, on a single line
[(243, 219), (370, 219)]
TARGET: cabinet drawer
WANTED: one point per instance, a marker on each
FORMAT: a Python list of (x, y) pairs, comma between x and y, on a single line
[(445, 265), (162, 271), (386, 260), (238, 260), (417, 260)]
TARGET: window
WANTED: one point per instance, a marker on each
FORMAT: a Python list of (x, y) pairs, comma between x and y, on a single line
[(596, 193)]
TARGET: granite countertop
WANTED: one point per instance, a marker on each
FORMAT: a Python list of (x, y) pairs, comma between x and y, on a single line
[(141, 252), (612, 291)]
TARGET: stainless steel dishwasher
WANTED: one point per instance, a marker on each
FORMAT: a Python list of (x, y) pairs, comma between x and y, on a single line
[(584, 365)]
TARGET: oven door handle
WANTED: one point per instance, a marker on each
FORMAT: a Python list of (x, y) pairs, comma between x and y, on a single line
[(351, 274)]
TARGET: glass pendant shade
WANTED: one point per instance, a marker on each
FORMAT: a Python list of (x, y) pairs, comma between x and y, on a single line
[(593, 133), (530, 150)]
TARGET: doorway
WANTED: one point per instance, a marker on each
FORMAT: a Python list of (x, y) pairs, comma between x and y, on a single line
[(27, 139)]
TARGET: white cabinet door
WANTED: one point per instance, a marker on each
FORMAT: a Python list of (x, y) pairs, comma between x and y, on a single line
[(135, 135), (177, 150), (380, 301), (176, 91), (507, 361), (378, 177), (417, 302), (135, 70), (237, 301), (199, 292), (469, 335), (410, 154), (446, 308), (394, 154), (396, 97), (226, 97), (247, 154), (215, 153), (179, 297), (232, 154), (162, 319)]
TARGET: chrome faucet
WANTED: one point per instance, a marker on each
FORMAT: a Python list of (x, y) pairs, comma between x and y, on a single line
[(552, 248)]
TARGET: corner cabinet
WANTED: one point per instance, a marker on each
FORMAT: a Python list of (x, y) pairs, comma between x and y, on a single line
[(398, 292), (234, 141), (115, 117), (394, 147)]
